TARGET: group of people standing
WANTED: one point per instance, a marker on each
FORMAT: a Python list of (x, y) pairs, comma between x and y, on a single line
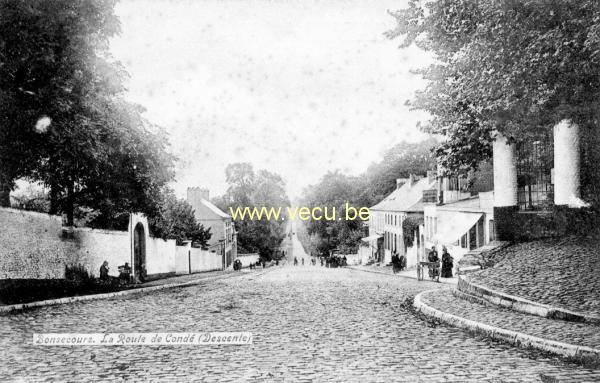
[(447, 263), (398, 262)]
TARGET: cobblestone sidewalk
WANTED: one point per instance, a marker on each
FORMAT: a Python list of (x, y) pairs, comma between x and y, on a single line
[(558, 330), (559, 272)]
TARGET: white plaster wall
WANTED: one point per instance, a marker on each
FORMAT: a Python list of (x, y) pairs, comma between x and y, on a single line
[(412, 253), (247, 259), (182, 259), (96, 246), (203, 260), (160, 256)]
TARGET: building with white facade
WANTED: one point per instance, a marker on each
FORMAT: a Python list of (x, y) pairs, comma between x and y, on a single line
[(390, 217), (224, 238)]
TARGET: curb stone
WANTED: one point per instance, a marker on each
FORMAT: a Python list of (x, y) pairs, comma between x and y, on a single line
[(10, 309), (518, 339), (523, 305), (397, 275)]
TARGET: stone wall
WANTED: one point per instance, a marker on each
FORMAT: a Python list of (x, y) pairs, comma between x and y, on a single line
[(37, 246), (520, 226), (31, 245), (94, 246)]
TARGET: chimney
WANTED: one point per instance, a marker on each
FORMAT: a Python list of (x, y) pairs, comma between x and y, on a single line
[(400, 182), (195, 195), (412, 180)]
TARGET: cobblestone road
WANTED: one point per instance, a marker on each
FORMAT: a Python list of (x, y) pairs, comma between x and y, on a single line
[(309, 324)]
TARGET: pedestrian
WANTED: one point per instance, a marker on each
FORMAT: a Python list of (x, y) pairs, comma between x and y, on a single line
[(321, 258), (402, 260), (433, 258), (104, 272), (447, 263), (295, 261), (302, 261), (264, 263), (395, 263)]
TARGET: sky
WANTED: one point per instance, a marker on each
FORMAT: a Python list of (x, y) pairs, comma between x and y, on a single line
[(295, 87)]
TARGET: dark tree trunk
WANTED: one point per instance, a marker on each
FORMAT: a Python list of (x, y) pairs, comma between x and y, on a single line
[(70, 204), (54, 203), (5, 189)]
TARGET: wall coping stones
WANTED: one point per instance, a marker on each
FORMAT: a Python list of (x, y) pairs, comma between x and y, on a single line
[(518, 339), (523, 305), (31, 213)]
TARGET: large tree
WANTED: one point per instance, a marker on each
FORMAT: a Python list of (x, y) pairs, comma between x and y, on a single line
[(248, 188), (62, 119), (517, 67)]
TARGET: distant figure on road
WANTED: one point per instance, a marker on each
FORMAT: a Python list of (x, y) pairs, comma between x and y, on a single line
[(104, 271), (321, 261), (264, 263), (447, 263), (302, 261), (295, 261)]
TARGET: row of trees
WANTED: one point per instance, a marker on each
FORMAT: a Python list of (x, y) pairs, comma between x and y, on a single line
[(65, 124), (335, 189), (517, 67), (250, 188)]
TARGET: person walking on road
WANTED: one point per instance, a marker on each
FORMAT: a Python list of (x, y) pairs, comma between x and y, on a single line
[(396, 263), (434, 268), (447, 263), (295, 261), (302, 261)]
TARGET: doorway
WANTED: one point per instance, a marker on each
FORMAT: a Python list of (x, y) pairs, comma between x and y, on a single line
[(139, 253)]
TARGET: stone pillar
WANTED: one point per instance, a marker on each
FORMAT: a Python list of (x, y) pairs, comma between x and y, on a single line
[(566, 163), (505, 173), (505, 189)]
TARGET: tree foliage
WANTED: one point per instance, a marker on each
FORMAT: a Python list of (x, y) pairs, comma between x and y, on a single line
[(94, 149), (335, 189), (248, 188), (175, 220), (517, 67)]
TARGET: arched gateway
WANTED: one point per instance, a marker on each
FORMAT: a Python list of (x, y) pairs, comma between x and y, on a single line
[(138, 232)]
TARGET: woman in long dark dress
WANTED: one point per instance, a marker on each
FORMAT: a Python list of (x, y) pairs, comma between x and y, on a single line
[(447, 263), (396, 263)]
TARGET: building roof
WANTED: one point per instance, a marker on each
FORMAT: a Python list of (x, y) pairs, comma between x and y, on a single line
[(480, 202), (407, 198), (215, 209)]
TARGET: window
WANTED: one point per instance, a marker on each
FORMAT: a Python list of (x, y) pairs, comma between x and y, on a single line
[(535, 160)]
